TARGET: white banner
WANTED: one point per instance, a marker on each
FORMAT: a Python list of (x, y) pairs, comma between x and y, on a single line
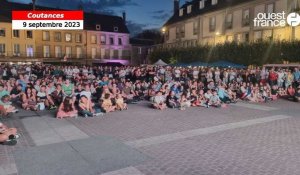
[(47, 24)]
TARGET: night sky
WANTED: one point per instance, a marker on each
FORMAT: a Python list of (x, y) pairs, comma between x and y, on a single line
[(141, 14)]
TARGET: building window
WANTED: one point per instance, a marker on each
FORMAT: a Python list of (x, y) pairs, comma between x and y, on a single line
[(257, 36), (29, 50), (228, 23), (58, 52), (180, 12), (111, 41), (46, 51), (16, 33), (182, 31), (195, 27), (57, 36), (68, 52), (167, 34), (94, 53), (246, 18), (177, 32), (189, 9), (238, 38), (16, 49), (46, 36), (68, 37), (103, 39), (78, 38), (229, 38), (214, 2), (29, 34), (201, 4), (79, 52), (139, 50), (246, 36), (93, 39), (116, 29), (2, 32), (212, 24), (270, 8), (120, 41), (2, 49), (98, 27)]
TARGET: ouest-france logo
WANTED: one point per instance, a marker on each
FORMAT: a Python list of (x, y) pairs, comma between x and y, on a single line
[(276, 19)]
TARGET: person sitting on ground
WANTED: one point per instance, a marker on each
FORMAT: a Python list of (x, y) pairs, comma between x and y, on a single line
[(159, 101), (86, 108), (297, 94), (28, 99), (7, 134), (184, 102), (172, 101), (57, 95), (3, 91), (67, 109), (120, 104), (7, 105), (44, 99), (194, 98), (107, 105), (215, 100)]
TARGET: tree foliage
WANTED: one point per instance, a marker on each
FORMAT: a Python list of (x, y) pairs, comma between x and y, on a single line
[(256, 53)]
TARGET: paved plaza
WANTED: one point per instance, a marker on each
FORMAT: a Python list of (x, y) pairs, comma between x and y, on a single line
[(241, 139)]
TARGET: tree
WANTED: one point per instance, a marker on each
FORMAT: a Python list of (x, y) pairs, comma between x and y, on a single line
[(151, 34)]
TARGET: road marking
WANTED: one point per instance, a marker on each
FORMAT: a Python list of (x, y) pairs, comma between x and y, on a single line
[(202, 131), (253, 106), (125, 171)]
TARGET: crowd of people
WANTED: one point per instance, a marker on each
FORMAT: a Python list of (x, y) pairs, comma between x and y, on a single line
[(90, 91), (94, 90)]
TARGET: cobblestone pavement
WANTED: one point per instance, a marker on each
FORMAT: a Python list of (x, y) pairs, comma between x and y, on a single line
[(241, 139)]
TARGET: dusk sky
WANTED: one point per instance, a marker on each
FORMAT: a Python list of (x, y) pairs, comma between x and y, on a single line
[(141, 14)]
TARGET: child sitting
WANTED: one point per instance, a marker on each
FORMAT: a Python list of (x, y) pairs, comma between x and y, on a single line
[(7, 108), (67, 109), (107, 105), (184, 102), (159, 101), (120, 105), (215, 100)]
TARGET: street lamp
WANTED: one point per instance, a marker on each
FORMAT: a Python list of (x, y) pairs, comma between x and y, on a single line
[(163, 31)]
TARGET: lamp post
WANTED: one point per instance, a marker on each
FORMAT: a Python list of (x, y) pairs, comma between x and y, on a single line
[(163, 31)]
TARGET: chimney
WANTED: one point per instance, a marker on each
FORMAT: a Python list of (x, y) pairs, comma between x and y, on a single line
[(176, 5), (124, 16)]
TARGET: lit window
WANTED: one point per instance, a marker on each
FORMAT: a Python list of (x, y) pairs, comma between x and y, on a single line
[(68, 37), (257, 35), (46, 51), (103, 39)]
